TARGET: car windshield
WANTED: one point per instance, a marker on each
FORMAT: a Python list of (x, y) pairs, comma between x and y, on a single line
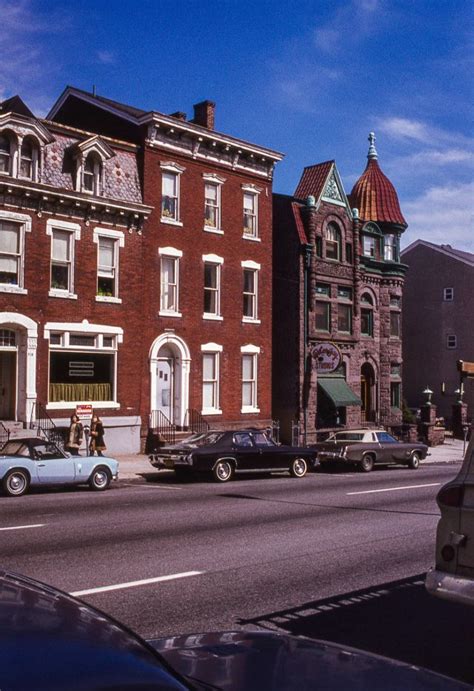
[(15, 448), (347, 436)]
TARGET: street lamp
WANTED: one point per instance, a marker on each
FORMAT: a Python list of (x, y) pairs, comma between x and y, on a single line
[(428, 393)]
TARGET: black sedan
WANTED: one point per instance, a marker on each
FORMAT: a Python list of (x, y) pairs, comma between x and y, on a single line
[(225, 453)]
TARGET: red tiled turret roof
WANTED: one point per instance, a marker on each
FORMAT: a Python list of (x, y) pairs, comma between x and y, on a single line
[(374, 195), (313, 180)]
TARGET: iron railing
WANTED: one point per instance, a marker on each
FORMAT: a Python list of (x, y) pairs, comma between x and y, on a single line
[(162, 427), (4, 434), (46, 427), (194, 422)]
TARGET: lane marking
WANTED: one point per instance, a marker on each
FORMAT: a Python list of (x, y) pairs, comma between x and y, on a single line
[(22, 527), (134, 584), (394, 489), (139, 484)]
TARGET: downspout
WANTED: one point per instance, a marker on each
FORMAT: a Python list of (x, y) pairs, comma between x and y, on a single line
[(308, 296), (307, 254)]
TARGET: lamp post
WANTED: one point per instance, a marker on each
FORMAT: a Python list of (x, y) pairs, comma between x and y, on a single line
[(428, 393)]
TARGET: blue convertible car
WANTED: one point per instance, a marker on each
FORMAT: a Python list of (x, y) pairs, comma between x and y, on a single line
[(34, 461)]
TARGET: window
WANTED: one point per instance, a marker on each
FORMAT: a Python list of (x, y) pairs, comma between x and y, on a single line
[(344, 318), (5, 154), (333, 242), (250, 214), (212, 286), (28, 159), (323, 315), (323, 289), (107, 267), (10, 253), (395, 323), (82, 364), (170, 198), (348, 253), (212, 206), (369, 246), (169, 295), (451, 342), (395, 397), (390, 248), (7, 338), (210, 378), (366, 315), (344, 293), (249, 381), (250, 290), (91, 174), (448, 294), (319, 246), (62, 260)]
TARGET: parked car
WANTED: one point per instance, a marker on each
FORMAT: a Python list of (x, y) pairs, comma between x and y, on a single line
[(32, 461), (453, 576), (224, 453), (49, 641), (367, 448)]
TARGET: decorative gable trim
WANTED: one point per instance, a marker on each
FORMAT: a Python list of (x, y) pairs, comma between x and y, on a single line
[(26, 126), (97, 145)]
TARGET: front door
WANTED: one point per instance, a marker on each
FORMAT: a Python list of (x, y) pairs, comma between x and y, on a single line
[(7, 385), (165, 387)]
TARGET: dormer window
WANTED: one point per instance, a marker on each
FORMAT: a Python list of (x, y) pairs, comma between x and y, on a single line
[(333, 242), (390, 248), (28, 159), (5, 153), (91, 174)]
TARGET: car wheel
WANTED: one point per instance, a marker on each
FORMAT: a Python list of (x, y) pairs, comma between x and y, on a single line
[(414, 461), (223, 471), (16, 483), (298, 467), (100, 479), (367, 463)]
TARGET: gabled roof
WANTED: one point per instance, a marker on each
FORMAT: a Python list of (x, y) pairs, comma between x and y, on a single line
[(95, 143), (459, 255), (296, 208), (15, 105), (313, 180)]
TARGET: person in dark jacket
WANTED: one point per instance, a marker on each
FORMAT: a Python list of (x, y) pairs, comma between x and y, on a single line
[(76, 435), (97, 437)]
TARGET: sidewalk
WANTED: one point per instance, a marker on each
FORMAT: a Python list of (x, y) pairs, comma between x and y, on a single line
[(135, 466)]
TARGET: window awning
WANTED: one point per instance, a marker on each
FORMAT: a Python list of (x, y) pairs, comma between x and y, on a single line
[(338, 391)]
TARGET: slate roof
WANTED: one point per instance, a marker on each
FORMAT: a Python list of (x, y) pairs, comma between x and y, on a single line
[(296, 208), (15, 105), (313, 180), (375, 196), (129, 110)]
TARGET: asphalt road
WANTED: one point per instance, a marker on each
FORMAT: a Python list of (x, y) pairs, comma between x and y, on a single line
[(340, 556)]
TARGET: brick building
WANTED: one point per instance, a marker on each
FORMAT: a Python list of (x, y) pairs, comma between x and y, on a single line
[(135, 267), (437, 324), (338, 283)]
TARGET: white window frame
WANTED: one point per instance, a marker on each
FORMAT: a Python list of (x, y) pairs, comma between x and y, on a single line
[(448, 294), (217, 262), (254, 191), (119, 239), (75, 230), (13, 153), (175, 255), (369, 243), (249, 265), (250, 351), (214, 350), (98, 166), (390, 249), (24, 224), (171, 168), (217, 182), (451, 341), (98, 331), (35, 157)]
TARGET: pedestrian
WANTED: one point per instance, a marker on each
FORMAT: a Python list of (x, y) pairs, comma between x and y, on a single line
[(97, 436), (76, 435)]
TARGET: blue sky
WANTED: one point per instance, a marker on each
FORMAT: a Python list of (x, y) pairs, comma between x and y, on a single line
[(309, 79)]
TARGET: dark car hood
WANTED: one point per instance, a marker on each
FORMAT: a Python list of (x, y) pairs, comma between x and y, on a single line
[(253, 661)]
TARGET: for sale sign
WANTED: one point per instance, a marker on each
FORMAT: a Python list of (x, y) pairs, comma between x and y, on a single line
[(84, 412)]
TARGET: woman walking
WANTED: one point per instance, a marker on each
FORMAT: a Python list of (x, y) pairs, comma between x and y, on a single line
[(76, 435), (97, 436)]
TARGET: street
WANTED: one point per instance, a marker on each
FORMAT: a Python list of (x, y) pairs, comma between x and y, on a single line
[(338, 555)]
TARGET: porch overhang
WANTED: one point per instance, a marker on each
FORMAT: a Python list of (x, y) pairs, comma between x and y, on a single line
[(338, 391)]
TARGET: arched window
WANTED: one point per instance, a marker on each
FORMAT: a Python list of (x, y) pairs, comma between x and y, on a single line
[(28, 159), (91, 174), (366, 315), (5, 153), (333, 242)]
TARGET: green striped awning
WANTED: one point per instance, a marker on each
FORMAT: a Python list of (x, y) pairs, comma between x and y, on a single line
[(340, 393)]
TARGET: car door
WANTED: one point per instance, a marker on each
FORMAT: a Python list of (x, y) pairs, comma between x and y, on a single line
[(269, 455), (247, 454), (53, 467), (387, 447)]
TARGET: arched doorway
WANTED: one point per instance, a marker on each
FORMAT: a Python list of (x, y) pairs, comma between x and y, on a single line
[(18, 345), (368, 393), (169, 377)]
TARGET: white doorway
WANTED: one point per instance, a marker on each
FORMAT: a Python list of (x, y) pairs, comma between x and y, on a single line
[(170, 363)]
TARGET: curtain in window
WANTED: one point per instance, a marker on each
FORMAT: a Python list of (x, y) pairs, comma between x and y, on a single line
[(80, 392), (61, 245), (106, 256)]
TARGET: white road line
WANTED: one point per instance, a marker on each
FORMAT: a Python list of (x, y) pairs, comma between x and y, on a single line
[(137, 484), (22, 527), (394, 489), (134, 584)]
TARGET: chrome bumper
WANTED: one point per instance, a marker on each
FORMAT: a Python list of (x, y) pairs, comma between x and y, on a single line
[(449, 587)]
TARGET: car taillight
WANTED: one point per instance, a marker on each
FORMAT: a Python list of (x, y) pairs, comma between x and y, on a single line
[(452, 495)]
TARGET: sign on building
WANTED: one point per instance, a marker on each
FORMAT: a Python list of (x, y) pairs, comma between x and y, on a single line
[(327, 357)]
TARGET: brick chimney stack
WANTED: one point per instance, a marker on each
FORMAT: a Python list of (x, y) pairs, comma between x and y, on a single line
[(204, 114)]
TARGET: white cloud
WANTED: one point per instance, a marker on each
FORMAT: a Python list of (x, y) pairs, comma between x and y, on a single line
[(442, 214), (341, 32), (106, 57)]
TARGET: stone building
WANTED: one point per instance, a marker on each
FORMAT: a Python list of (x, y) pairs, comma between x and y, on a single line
[(437, 324), (337, 302), (135, 267)]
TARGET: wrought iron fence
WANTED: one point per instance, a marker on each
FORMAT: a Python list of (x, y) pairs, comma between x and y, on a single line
[(162, 427), (194, 422)]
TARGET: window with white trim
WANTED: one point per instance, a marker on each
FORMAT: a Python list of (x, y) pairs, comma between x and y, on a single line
[(62, 260), (212, 206), (448, 294), (169, 285), (369, 246), (92, 173), (250, 214), (212, 286), (6, 153), (11, 237), (29, 159), (82, 364), (250, 294), (249, 382), (107, 267), (390, 248), (210, 378)]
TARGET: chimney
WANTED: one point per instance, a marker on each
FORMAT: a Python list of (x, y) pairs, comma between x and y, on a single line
[(179, 115), (204, 114)]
